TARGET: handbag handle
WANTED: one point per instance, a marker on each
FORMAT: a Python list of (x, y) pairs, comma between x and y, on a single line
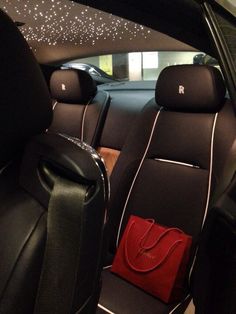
[(143, 248), (143, 238)]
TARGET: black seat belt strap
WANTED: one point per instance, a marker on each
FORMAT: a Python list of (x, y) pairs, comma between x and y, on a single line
[(61, 258)]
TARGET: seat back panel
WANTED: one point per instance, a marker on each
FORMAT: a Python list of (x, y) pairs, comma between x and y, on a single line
[(174, 162), (67, 119), (183, 137), (150, 197), (173, 180)]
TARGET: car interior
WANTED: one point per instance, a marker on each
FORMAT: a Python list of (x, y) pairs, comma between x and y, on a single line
[(118, 117)]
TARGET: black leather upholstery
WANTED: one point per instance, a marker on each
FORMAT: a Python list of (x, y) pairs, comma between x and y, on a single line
[(214, 272), (79, 110), (31, 164), (170, 169), (126, 105), (190, 88), (24, 111)]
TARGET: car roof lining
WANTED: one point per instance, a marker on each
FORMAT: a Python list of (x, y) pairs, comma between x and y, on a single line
[(180, 19), (66, 49)]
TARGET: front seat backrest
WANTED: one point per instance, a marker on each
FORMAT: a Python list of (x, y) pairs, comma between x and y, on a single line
[(171, 167), (185, 139), (79, 108), (31, 162)]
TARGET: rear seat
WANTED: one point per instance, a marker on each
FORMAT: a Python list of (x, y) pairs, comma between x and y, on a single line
[(171, 170), (79, 109)]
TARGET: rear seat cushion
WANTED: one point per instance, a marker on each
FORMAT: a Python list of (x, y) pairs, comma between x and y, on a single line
[(125, 298)]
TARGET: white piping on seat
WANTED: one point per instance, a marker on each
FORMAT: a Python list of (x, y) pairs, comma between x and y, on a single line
[(210, 170), (5, 167), (172, 311), (54, 105), (107, 267), (83, 122), (105, 309), (177, 163), (191, 308), (136, 175)]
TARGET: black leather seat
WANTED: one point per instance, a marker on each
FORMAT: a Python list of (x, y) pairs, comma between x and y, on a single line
[(79, 109), (171, 169), (31, 162), (215, 270)]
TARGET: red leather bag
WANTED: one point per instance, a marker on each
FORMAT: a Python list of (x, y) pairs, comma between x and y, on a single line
[(153, 258)]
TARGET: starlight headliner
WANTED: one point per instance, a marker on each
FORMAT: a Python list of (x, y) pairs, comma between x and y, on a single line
[(62, 21)]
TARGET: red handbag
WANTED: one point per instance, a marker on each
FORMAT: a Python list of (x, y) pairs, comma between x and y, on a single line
[(153, 258)]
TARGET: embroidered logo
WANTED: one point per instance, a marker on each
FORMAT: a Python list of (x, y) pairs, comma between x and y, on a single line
[(181, 89), (63, 87)]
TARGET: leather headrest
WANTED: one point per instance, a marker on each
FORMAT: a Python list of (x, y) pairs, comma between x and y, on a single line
[(190, 88), (25, 103), (72, 86)]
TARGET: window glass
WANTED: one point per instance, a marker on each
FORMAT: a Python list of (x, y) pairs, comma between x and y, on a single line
[(228, 28), (230, 5), (137, 66)]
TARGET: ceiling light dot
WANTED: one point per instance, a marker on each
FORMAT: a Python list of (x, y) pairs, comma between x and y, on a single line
[(59, 22)]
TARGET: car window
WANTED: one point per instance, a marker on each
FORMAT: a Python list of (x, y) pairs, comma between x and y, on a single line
[(228, 28), (230, 5), (138, 66)]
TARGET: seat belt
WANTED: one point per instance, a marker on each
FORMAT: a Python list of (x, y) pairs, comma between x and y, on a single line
[(62, 251)]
